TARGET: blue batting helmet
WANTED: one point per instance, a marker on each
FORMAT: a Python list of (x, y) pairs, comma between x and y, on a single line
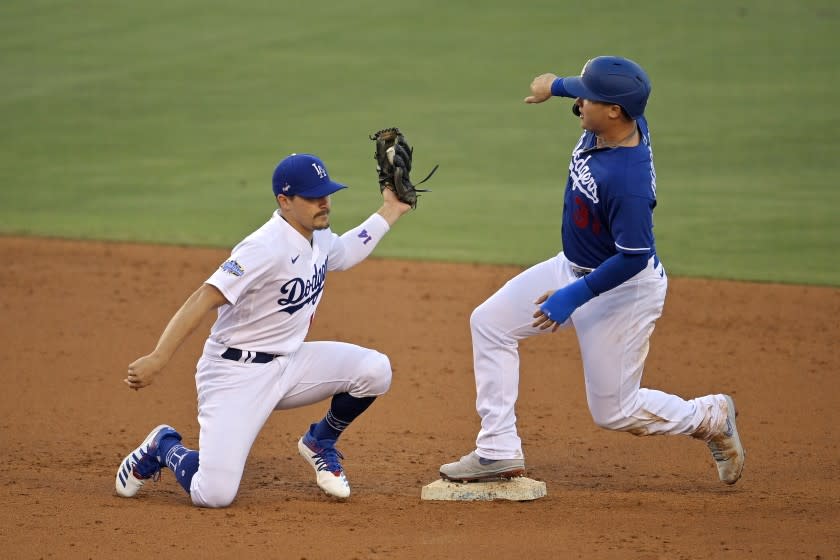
[(612, 79)]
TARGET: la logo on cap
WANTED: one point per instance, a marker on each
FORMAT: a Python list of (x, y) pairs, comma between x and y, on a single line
[(293, 176), (319, 170)]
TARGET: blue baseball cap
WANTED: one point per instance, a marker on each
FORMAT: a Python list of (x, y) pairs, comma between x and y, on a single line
[(303, 175), (611, 79)]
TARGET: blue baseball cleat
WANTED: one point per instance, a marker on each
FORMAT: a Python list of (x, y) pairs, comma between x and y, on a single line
[(143, 463)]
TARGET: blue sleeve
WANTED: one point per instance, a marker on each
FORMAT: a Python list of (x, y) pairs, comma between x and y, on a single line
[(631, 223), (558, 90), (615, 271)]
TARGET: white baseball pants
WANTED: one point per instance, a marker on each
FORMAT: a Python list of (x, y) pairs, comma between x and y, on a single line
[(235, 400)]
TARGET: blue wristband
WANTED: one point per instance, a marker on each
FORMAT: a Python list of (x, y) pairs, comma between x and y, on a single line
[(564, 301)]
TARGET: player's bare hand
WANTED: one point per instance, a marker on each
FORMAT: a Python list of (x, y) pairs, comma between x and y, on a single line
[(392, 208), (541, 88), (542, 321), (389, 197), (142, 371)]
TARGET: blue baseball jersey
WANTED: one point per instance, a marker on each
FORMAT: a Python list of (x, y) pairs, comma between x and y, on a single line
[(609, 200)]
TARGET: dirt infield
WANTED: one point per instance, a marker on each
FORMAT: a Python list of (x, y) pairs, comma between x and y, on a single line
[(75, 314)]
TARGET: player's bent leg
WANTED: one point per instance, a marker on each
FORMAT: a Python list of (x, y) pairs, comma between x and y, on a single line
[(614, 395), (613, 332), (720, 432), (234, 401), (320, 370), (710, 419), (352, 377), (643, 412), (613, 376)]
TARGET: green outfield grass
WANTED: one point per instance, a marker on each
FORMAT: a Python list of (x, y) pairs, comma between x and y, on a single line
[(162, 121)]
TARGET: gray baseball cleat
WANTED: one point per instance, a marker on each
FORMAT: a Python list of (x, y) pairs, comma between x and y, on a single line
[(473, 468), (726, 447)]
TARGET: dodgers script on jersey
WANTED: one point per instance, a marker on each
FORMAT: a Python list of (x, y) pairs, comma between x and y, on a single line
[(275, 278), (609, 200)]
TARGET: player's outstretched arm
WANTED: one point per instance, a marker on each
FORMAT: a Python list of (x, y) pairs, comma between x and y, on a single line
[(143, 370), (392, 209), (355, 245)]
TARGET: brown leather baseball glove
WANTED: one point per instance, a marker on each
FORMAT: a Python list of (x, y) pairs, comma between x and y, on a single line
[(393, 165)]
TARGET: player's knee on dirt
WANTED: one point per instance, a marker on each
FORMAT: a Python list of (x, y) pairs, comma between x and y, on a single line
[(374, 377), (215, 498), (215, 491)]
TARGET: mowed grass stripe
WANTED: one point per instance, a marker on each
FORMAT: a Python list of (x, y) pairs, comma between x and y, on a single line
[(162, 122)]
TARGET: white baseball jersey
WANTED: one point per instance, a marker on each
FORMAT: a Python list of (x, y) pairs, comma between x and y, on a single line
[(274, 279)]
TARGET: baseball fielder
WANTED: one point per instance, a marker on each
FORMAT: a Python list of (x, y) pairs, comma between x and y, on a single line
[(255, 360), (608, 283)]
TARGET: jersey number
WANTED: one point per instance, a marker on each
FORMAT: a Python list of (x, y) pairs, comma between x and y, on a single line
[(580, 215)]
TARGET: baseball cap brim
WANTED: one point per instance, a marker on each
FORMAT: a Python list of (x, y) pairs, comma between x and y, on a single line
[(575, 88), (322, 190)]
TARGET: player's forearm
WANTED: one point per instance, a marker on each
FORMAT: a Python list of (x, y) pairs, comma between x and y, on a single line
[(359, 242), (392, 211), (186, 320), (615, 271)]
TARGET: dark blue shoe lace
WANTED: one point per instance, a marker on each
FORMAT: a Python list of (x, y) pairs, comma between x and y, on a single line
[(147, 466), (327, 457)]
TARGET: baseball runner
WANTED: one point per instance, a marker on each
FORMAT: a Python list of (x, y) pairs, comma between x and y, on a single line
[(608, 283), (255, 360)]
